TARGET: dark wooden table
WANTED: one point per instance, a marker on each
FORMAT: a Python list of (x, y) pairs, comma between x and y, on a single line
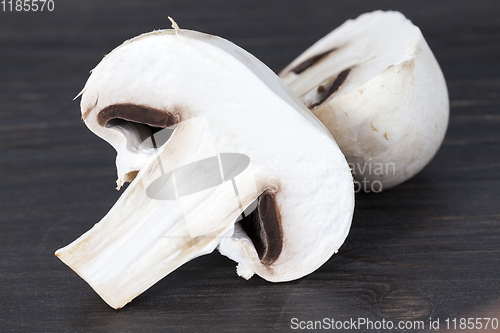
[(425, 250)]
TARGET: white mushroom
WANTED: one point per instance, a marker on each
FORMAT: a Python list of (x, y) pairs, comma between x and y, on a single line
[(377, 87), (237, 117)]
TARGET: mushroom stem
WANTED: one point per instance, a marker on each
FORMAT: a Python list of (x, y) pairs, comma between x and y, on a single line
[(141, 234)]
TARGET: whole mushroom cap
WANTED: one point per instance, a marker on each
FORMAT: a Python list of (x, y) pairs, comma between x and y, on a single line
[(378, 88)]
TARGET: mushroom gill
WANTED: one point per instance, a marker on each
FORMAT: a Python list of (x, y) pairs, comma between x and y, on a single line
[(311, 61), (323, 94), (263, 227)]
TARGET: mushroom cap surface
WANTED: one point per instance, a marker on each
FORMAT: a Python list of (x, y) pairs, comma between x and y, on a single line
[(378, 88)]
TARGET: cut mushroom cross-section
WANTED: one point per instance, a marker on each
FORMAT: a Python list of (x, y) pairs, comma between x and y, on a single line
[(377, 87), (221, 100)]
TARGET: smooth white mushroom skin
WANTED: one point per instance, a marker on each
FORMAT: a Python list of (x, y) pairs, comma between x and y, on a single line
[(378, 88), (222, 100)]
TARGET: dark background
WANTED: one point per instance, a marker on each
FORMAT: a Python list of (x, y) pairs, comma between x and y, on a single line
[(427, 249)]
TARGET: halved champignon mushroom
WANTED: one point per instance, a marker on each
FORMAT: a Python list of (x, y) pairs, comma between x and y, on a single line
[(169, 99), (377, 87)]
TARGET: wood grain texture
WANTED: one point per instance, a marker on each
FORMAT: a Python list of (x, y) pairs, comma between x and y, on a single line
[(426, 249)]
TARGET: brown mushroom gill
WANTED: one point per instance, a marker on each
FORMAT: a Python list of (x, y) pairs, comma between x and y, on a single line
[(263, 227), (311, 61), (339, 80), (146, 120), (137, 113)]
